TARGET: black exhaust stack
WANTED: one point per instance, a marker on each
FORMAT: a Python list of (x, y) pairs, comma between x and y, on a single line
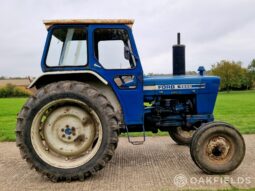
[(178, 57)]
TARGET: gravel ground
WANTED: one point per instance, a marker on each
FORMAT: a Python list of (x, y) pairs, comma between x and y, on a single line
[(158, 164)]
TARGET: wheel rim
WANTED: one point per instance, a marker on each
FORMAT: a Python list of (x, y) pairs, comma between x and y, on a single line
[(218, 148), (66, 133), (184, 133)]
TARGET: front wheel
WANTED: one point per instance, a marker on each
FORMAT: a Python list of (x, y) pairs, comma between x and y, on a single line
[(217, 148), (181, 136), (67, 131)]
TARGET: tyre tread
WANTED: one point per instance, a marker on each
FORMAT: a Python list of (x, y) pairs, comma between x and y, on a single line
[(74, 86)]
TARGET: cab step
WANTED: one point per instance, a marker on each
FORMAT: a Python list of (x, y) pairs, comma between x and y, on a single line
[(136, 142)]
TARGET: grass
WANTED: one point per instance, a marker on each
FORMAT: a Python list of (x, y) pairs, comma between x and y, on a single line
[(236, 108), (9, 107)]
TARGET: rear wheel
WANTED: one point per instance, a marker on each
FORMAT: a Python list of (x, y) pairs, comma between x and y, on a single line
[(181, 136), (217, 148), (67, 131)]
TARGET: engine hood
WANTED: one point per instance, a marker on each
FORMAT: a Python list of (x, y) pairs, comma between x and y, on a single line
[(181, 84)]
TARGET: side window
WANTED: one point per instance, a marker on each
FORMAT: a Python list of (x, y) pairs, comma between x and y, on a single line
[(68, 47), (110, 46)]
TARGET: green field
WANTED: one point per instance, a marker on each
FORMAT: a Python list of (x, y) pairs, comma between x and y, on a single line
[(9, 108), (237, 108)]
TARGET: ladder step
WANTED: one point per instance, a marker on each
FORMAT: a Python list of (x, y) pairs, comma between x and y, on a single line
[(135, 142)]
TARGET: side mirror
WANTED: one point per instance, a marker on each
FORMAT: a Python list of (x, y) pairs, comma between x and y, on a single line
[(127, 53)]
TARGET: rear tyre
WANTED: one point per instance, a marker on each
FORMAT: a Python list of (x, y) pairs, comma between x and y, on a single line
[(217, 148), (67, 131), (181, 136)]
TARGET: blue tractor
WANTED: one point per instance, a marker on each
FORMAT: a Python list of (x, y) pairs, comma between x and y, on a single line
[(93, 89)]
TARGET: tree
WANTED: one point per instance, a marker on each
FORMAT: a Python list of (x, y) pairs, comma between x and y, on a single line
[(232, 75), (251, 67)]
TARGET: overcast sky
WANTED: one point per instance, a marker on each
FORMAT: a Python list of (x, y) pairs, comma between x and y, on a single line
[(211, 30)]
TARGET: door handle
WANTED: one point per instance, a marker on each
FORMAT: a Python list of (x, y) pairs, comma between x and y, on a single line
[(97, 66)]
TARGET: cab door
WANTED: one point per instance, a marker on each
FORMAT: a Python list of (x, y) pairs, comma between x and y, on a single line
[(114, 56)]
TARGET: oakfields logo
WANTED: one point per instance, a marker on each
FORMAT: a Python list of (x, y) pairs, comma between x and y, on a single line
[(180, 180)]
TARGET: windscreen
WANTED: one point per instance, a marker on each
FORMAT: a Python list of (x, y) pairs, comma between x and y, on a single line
[(68, 47)]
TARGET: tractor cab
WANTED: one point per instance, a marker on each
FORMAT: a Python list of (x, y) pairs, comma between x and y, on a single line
[(101, 51)]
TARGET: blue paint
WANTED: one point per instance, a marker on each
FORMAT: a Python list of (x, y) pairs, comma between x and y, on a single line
[(68, 131), (204, 88)]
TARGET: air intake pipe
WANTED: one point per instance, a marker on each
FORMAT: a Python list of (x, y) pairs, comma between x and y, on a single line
[(178, 57)]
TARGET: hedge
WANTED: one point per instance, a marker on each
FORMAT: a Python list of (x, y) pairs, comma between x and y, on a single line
[(12, 91)]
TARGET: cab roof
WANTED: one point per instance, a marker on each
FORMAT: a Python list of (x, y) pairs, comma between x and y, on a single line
[(49, 23)]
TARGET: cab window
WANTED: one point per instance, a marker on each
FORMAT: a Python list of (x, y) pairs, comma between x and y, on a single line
[(68, 47)]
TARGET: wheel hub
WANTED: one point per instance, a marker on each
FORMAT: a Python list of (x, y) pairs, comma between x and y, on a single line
[(69, 131), (75, 137), (218, 148), (68, 134)]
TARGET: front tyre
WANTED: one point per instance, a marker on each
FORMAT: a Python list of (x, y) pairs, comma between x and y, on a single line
[(181, 136), (217, 148), (67, 131)]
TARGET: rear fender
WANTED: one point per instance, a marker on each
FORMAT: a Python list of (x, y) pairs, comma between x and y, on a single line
[(50, 77), (90, 77)]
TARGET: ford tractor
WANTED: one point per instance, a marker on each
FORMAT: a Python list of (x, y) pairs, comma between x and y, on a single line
[(93, 89)]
